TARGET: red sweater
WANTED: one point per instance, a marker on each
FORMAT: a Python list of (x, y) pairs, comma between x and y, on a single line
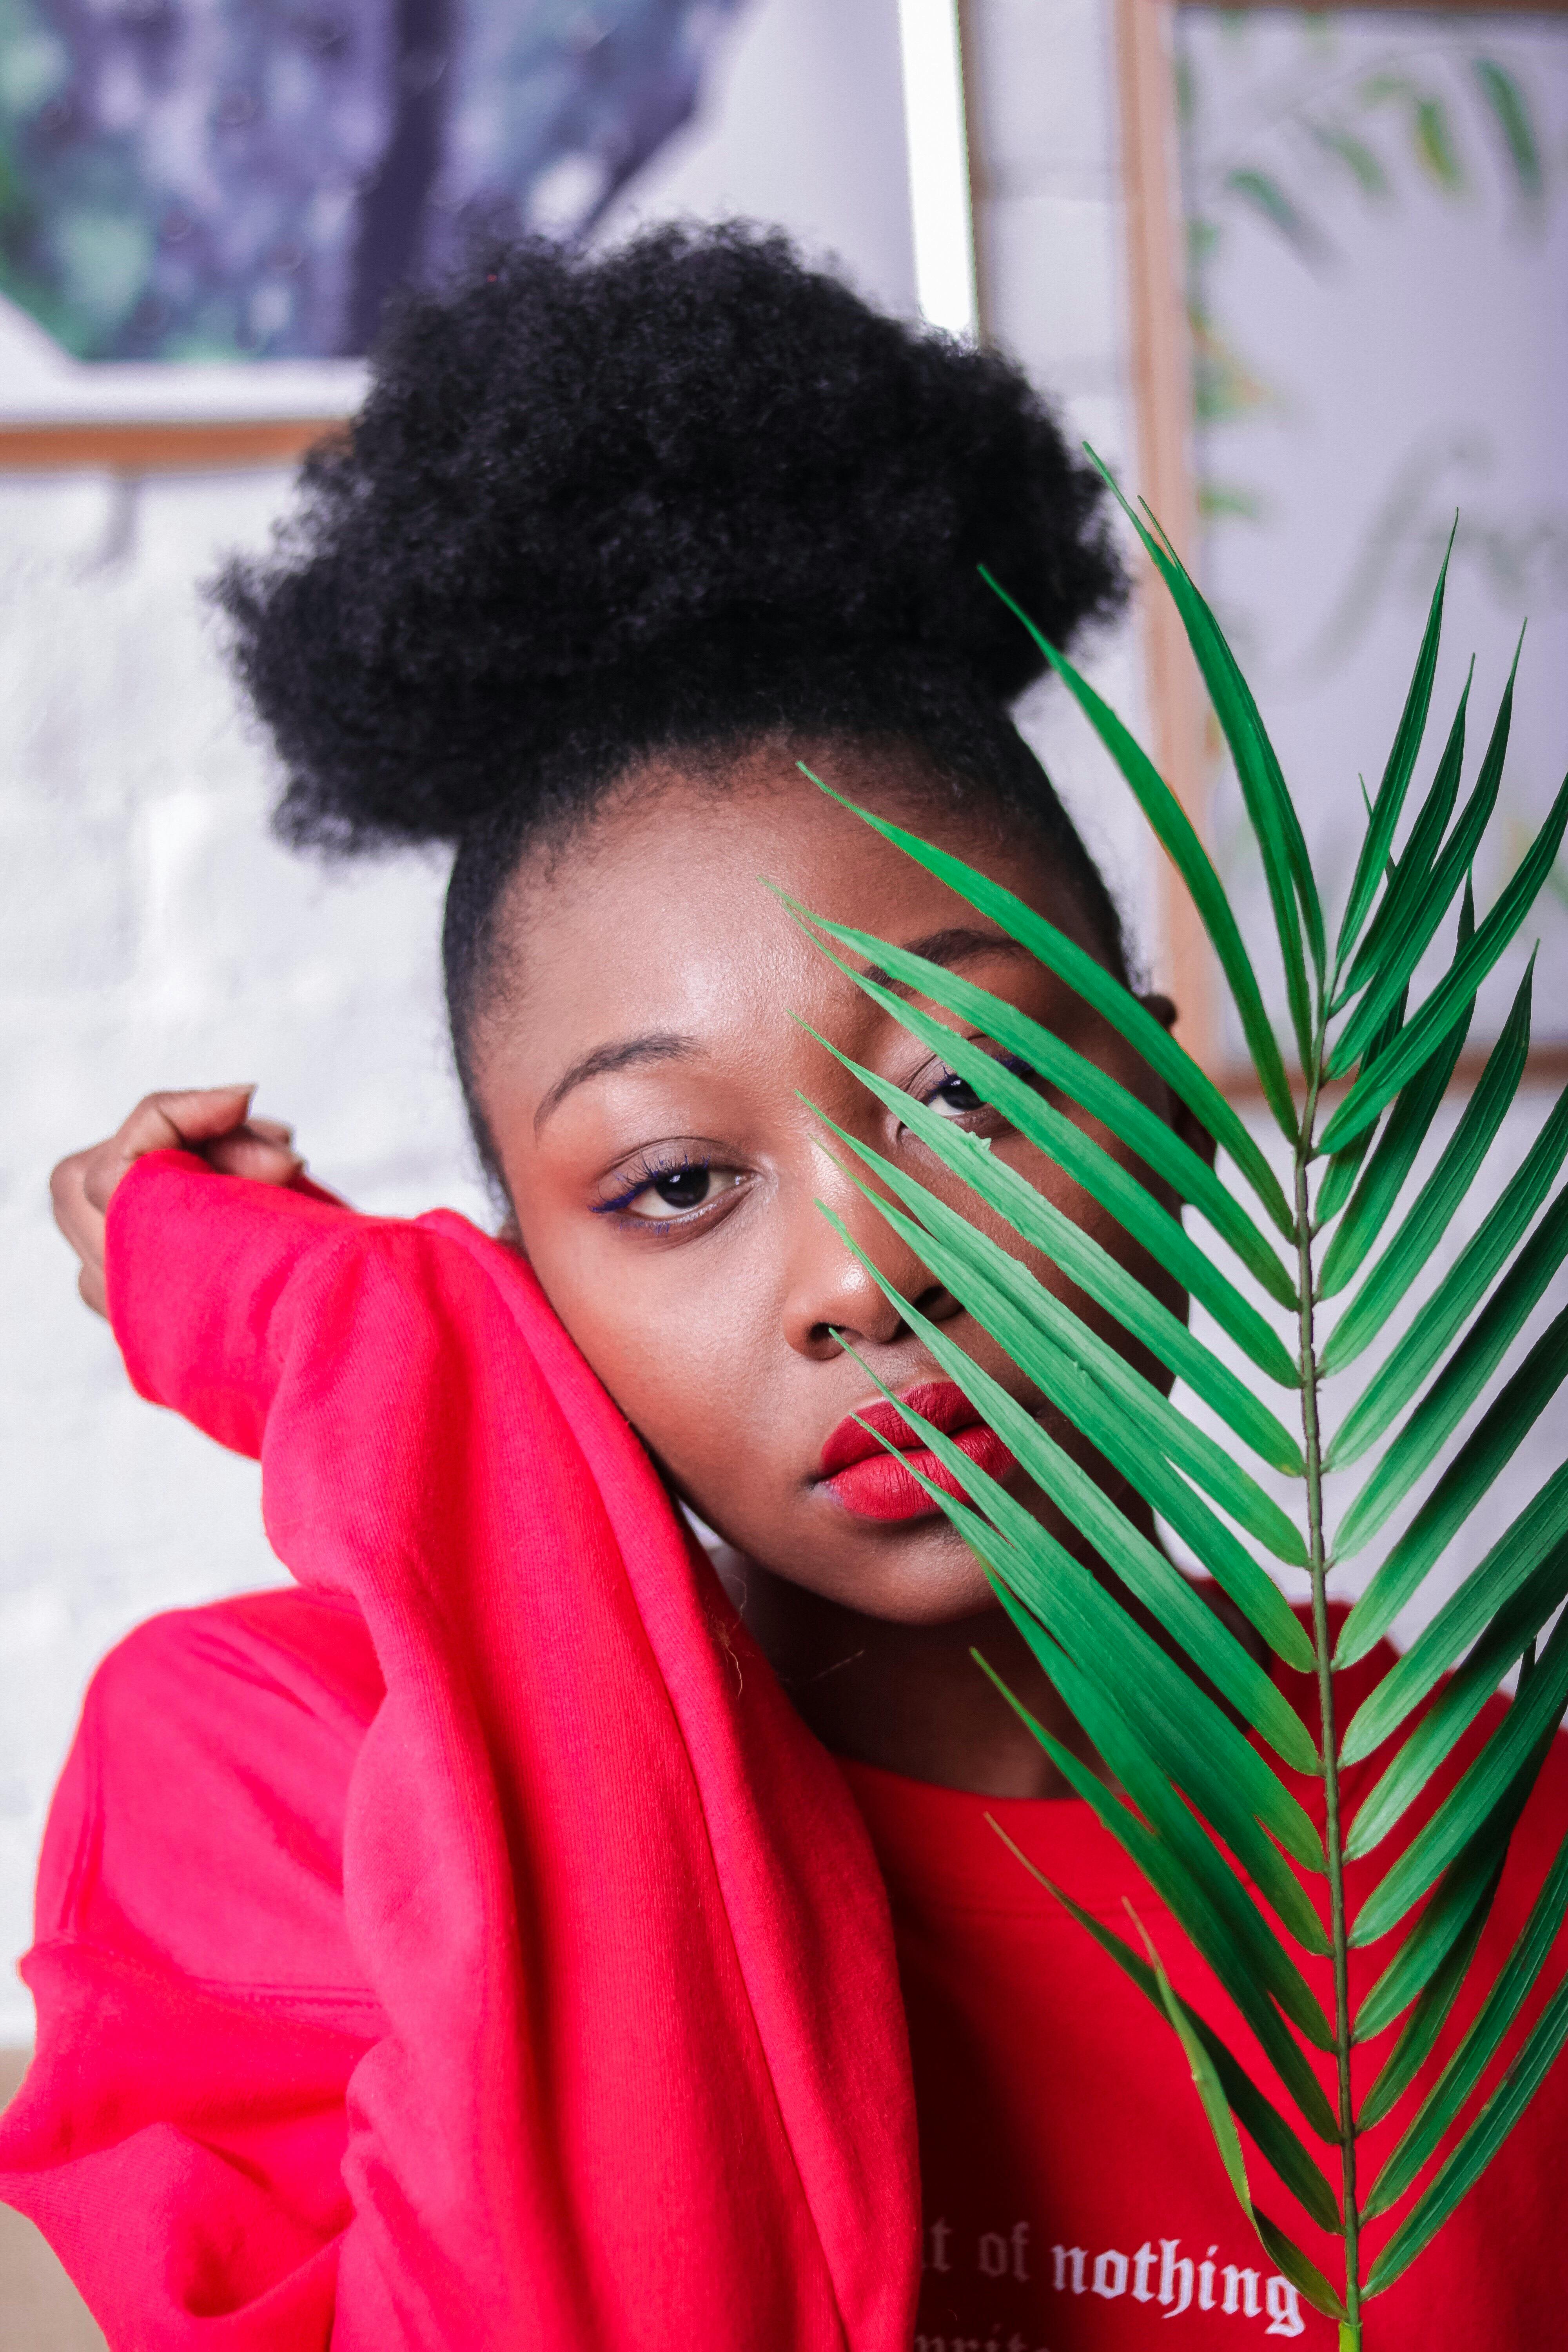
[(600, 2044), (472, 1949)]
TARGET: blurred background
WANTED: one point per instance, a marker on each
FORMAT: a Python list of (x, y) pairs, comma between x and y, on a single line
[(1301, 276)]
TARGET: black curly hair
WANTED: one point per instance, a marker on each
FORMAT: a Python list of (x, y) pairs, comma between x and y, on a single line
[(683, 495)]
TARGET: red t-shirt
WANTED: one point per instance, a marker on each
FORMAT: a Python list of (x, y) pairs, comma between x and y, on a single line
[(1074, 2199)]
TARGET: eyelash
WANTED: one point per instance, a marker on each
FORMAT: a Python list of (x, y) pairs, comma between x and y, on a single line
[(637, 1179), (1010, 1062), (648, 1170)]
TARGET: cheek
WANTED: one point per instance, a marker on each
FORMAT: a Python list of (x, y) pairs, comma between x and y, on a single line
[(687, 1364)]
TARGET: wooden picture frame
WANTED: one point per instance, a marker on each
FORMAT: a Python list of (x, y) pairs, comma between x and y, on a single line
[(173, 447)]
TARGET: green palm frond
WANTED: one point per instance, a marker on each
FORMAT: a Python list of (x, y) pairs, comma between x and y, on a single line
[(1192, 1722)]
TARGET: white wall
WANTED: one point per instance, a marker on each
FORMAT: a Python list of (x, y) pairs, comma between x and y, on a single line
[(150, 933)]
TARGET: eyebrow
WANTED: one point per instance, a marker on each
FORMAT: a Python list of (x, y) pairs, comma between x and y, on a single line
[(954, 946), (657, 1045)]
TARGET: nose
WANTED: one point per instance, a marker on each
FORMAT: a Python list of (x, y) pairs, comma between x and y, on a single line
[(832, 1299)]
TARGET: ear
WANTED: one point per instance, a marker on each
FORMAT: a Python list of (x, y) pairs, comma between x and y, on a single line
[(1183, 1121)]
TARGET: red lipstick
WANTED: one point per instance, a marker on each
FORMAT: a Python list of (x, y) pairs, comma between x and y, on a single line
[(865, 1479)]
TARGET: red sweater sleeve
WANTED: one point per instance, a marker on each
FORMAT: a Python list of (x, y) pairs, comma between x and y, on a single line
[(196, 1266), (638, 2071)]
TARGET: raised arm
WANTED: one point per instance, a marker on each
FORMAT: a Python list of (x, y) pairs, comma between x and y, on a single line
[(189, 1223), (574, 1735), (199, 1268), (214, 1122)]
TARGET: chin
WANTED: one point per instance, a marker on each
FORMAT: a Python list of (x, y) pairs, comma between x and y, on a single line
[(920, 1575), (912, 1571)]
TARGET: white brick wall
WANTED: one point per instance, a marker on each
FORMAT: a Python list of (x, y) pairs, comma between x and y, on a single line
[(150, 933)]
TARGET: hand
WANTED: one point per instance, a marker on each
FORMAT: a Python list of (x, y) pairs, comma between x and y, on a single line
[(214, 1121)]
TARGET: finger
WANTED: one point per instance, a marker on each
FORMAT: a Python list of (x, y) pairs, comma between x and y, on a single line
[(164, 1122), (102, 1171), (77, 1220), (82, 1226), (258, 1157), (276, 1130), (90, 1283)]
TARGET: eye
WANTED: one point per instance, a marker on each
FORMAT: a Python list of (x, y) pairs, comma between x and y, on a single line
[(668, 1187), (954, 1097), (679, 1189)]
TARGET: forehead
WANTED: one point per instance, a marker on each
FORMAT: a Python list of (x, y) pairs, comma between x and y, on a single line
[(659, 913)]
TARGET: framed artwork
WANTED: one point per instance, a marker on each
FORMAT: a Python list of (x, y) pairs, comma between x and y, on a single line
[(205, 203), (1350, 276)]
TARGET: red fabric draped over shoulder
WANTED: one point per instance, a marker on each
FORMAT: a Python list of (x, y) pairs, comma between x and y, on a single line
[(629, 2068)]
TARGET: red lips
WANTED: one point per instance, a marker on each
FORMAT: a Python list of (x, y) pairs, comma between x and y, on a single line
[(873, 1484)]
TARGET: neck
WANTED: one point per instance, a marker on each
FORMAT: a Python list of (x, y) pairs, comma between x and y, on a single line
[(909, 1698)]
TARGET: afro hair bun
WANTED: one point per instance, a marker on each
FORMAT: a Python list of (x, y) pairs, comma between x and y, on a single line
[(692, 456)]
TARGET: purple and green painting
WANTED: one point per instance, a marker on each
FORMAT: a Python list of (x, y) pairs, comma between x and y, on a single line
[(190, 179)]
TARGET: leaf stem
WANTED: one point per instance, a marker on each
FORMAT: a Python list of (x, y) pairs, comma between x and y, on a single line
[(1334, 1833)]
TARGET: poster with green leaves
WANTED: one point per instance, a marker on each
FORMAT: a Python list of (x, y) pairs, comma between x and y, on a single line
[(1377, 215)]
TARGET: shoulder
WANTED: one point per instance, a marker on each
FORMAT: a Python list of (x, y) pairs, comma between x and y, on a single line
[(199, 1821), (195, 1685), (316, 1649)]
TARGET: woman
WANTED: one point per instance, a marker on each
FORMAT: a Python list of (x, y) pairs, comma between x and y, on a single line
[(489, 1943)]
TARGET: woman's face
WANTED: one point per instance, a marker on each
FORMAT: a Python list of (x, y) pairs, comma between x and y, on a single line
[(642, 1065)]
